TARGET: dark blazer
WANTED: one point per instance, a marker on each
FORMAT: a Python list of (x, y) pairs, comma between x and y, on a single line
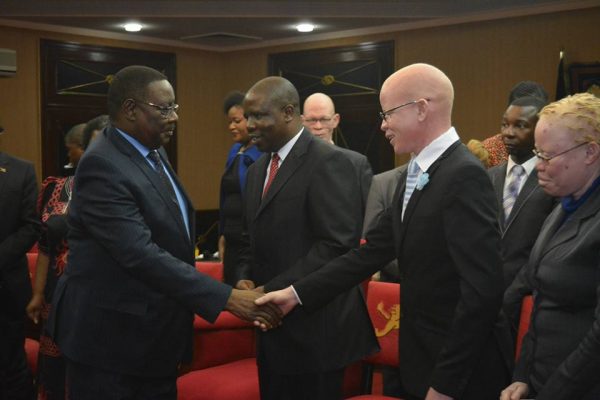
[(448, 249), (526, 218), (309, 216), (364, 173), (126, 300), (560, 354), (19, 230)]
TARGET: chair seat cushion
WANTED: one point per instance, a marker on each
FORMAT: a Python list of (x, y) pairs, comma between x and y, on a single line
[(234, 380)]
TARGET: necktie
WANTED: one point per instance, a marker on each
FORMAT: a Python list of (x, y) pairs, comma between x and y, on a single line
[(511, 191), (160, 170), (273, 168), (411, 182)]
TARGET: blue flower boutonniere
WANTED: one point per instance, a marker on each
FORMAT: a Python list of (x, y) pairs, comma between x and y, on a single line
[(422, 181)]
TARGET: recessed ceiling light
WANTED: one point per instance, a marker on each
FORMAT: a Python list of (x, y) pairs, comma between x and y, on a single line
[(305, 27), (133, 27)]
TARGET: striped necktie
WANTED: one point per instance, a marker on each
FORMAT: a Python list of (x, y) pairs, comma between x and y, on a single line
[(274, 167), (411, 182), (511, 191)]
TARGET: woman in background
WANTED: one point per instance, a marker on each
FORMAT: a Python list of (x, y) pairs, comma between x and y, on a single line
[(240, 157), (560, 357)]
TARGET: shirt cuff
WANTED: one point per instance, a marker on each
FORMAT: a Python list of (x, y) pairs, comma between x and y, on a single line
[(296, 294)]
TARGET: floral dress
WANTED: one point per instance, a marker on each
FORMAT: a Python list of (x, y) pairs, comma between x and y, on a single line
[(53, 202)]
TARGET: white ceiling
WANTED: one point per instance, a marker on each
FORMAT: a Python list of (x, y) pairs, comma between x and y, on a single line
[(231, 25)]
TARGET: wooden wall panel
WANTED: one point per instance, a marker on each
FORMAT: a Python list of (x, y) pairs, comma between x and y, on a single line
[(483, 59)]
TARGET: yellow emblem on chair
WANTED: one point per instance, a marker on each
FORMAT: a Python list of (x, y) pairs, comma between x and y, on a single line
[(392, 315)]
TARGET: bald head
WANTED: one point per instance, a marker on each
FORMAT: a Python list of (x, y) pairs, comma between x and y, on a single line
[(319, 116), (428, 95), (272, 109)]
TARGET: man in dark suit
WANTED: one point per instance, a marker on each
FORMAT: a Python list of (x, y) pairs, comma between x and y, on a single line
[(301, 211), (18, 232), (124, 307), (320, 118), (443, 230), (522, 204)]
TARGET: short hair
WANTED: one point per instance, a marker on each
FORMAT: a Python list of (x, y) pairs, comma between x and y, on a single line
[(579, 113), (95, 124), (233, 99), (75, 135), (527, 88), (130, 82), (530, 101)]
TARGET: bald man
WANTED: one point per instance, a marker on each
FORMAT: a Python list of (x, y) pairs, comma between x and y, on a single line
[(320, 119), (442, 228), (301, 212)]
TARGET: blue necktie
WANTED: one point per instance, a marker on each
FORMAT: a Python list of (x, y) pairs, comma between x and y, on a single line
[(411, 182)]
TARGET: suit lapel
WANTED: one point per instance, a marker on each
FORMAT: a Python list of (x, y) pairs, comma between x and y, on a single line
[(143, 165), (254, 188), (416, 194), (499, 180), (570, 227), (289, 166), (526, 191)]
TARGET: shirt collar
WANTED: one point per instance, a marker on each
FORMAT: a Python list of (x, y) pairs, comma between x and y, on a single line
[(143, 150), (436, 148), (286, 148), (528, 166)]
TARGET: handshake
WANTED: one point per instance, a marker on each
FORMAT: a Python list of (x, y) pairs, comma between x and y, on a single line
[(266, 311)]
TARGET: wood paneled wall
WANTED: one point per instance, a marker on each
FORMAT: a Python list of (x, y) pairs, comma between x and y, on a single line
[(483, 59)]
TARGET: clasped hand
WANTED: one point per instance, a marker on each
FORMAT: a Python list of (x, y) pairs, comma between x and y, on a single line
[(271, 307)]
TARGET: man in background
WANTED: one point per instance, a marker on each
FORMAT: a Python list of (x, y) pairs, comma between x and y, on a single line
[(19, 230), (320, 118)]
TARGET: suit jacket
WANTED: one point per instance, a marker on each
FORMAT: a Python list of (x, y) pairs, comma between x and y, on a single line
[(364, 173), (19, 230), (381, 196), (126, 300), (448, 249), (520, 231), (559, 357), (309, 216)]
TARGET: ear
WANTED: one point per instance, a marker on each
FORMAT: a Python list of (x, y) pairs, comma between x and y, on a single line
[(592, 153), (128, 109), (335, 120), (422, 109), (288, 111)]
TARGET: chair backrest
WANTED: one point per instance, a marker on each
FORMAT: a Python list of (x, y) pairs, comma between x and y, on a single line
[(526, 309), (383, 303), (214, 269)]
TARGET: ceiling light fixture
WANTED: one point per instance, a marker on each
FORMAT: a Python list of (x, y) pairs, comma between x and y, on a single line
[(305, 27), (132, 27)]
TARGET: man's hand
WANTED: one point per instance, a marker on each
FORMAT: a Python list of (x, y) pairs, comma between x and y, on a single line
[(245, 284), (241, 303), (285, 299), (34, 308), (515, 391), (433, 394)]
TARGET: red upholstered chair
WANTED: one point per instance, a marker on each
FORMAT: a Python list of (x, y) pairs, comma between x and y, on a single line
[(524, 321), (31, 262), (213, 269), (32, 348), (383, 303)]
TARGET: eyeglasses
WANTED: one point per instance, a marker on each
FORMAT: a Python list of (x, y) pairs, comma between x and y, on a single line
[(547, 159), (384, 115), (165, 111), (313, 121)]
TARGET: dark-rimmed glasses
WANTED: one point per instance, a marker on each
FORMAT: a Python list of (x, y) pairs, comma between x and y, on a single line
[(545, 158), (385, 114), (165, 111)]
